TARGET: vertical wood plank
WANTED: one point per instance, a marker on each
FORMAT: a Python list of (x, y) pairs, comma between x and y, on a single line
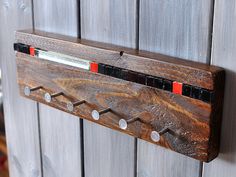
[(108, 153), (179, 28), (21, 118), (60, 136), (60, 132), (223, 54)]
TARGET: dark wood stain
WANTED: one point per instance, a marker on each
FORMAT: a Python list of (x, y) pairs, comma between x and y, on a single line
[(172, 68), (194, 124)]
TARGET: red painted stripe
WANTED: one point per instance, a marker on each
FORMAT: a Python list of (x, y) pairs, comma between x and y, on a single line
[(94, 67), (177, 88), (32, 51)]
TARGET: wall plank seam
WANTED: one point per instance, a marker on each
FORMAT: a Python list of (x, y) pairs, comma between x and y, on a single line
[(209, 56), (82, 147), (37, 105), (32, 11), (40, 142), (137, 47), (137, 23), (81, 120)]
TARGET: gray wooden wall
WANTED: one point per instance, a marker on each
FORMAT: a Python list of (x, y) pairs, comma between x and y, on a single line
[(44, 142)]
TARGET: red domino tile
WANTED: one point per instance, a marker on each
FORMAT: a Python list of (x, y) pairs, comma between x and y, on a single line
[(32, 53), (94, 67), (177, 87)]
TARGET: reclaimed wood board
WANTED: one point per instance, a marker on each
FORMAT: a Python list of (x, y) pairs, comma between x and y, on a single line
[(194, 124), (188, 72)]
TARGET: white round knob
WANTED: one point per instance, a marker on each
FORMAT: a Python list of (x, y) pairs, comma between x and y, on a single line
[(70, 106), (95, 115), (27, 91), (47, 97), (123, 124), (155, 136)]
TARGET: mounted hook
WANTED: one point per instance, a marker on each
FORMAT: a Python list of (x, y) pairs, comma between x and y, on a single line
[(96, 114), (156, 135), (28, 90), (48, 97), (71, 106)]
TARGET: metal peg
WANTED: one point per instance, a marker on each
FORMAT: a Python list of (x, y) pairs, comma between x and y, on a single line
[(48, 97), (71, 106), (156, 136), (28, 90), (96, 114), (123, 124)]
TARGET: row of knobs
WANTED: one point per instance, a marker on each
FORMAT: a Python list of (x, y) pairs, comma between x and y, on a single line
[(96, 115)]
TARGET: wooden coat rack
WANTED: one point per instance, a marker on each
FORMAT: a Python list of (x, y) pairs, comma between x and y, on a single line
[(161, 99)]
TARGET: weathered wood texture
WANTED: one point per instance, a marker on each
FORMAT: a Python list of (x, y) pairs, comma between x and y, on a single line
[(178, 28), (60, 144), (60, 132), (20, 114), (57, 16), (112, 22), (188, 72), (223, 54), (159, 108), (182, 29)]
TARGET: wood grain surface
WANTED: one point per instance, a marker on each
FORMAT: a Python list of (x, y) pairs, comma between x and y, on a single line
[(183, 71), (189, 120), (60, 132), (20, 114)]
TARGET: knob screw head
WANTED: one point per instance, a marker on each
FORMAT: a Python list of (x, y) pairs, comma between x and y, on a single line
[(70, 106), (27, 91), (95, 115), (47, 97), (123, 124), (155, 136)]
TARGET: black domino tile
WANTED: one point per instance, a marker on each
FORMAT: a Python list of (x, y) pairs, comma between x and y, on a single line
[(124, 74), (167, 85), (158, 82), (24, 48), (206, 95), (101, 68), (116, 72), (108, 70), (150, 81), (195, 92), (16, 47), (132, 76), (141, 79), (187, 90)]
